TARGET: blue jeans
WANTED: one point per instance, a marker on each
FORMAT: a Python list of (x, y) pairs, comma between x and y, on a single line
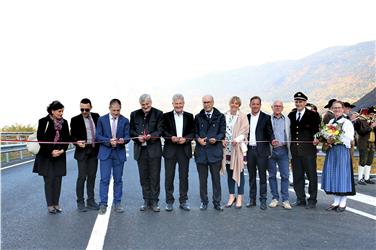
[(279, 156), (114, 164)]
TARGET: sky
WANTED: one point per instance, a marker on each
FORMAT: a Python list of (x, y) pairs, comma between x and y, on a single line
[(68, 50)]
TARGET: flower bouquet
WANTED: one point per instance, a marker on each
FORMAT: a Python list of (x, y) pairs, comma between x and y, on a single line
[(329, 134)]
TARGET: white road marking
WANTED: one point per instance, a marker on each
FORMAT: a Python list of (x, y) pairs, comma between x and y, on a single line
[(99, 232)]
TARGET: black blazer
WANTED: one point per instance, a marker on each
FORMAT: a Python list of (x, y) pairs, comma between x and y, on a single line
[(304, 130), (154, 128), (210, 128), (169, 130), (264, 132), (78, 133), (44, 157)]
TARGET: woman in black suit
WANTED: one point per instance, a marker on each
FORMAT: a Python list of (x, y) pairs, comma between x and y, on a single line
[(51, 159)]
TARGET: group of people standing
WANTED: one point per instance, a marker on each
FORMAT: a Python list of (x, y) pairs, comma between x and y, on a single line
[(229, 142)]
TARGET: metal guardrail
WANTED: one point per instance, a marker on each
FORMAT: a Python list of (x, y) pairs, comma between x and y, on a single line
[(13, 151)]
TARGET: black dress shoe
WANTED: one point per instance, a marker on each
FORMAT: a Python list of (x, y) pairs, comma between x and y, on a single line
[(341, 209), (263, 205), (92, 205), (369, 181), (51, 210), (310, 205), (251, 203), (331, 207), (362, 182), (203, 206), (299, 203), (185, 206), (169, 207), (81, 207), (218, 207)]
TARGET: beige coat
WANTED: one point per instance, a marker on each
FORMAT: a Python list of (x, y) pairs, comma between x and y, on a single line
[(241, 130)]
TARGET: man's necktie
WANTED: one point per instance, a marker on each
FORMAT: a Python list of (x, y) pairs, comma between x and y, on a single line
[(298, 117), (208, 115), (91, 124), (113, 127)]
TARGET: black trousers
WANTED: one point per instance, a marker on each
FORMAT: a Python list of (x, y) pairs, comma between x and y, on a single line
[(216, 181), (170, 164), (366, 156), (52, 187), (302, 165), (87, 171), (254, 163), (149, 170)]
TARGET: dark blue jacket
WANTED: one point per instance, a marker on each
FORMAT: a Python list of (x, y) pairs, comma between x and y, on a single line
[(215, 127)]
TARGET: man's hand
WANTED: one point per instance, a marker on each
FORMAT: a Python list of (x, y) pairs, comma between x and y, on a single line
[(174, 139), (141, 138), (212, 140), (316, 142), (113, 142), (81, 144), (120, 141), (182, 140), (275, 142), (202, 141), (224, 143)]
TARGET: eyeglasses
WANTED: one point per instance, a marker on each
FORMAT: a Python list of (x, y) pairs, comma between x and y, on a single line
[(86, 110)]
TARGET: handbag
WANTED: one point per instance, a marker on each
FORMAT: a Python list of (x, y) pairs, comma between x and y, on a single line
[(32, 145)]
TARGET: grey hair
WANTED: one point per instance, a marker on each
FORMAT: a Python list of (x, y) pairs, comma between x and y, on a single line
[(144, 97), (177, 97), (210, 96)]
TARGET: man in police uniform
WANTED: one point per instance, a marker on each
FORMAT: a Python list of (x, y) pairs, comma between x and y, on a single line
[(304, 125)]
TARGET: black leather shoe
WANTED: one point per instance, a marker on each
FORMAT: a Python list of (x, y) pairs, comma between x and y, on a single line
[(341, 209), (218, 207), (92, 205), (299, 203), (331, 207), (251, 203), (169, 207), (362, 182), (51, 210), (203, 206), (81, 207), (185, 206), (155, 208), (263, 205), (144, 206), (369, 181), (310, 205)]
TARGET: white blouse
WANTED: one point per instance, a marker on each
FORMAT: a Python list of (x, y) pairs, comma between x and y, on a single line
[(348, 129)]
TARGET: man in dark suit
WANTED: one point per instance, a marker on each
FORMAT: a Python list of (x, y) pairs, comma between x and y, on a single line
[(113, 134), (259, 139), (146, 125), (83, 132), (304, 125), (178, 130), (210, 129)]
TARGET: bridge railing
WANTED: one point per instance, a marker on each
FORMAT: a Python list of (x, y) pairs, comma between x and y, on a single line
[(12, 151)]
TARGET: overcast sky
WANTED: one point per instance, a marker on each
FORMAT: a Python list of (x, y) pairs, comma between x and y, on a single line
[(68, 50)]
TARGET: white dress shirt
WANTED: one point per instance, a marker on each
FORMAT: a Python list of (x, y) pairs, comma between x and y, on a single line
[(178, 124), (252, 129)]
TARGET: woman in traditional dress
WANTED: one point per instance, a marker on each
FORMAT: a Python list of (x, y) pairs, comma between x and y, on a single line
[(337, 175)]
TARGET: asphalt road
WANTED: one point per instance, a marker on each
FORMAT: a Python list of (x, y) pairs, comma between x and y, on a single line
[(25, 223)]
